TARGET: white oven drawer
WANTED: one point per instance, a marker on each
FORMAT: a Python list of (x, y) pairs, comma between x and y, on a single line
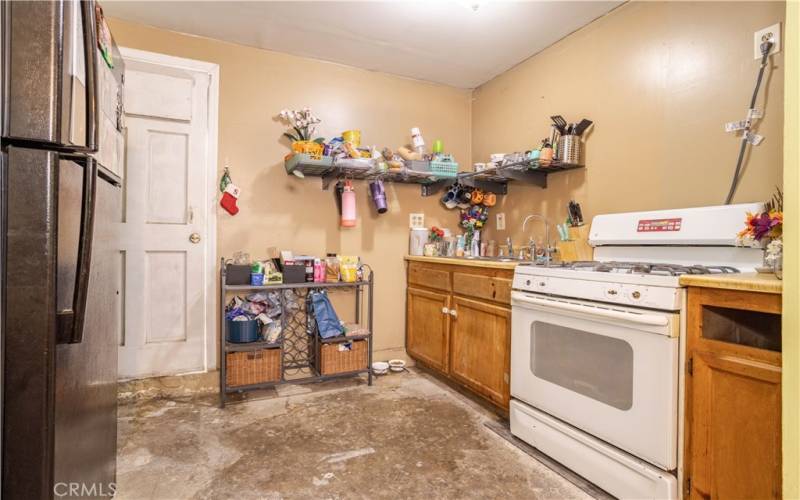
[(615, 471), (609, 371)]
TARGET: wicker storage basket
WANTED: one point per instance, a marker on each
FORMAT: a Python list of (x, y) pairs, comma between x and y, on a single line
[(337, 358), (253, 367)]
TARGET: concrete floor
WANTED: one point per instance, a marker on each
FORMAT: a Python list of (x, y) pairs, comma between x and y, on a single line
[(407, 436)]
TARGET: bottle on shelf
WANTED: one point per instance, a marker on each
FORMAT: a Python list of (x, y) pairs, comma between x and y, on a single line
[(417, 141)]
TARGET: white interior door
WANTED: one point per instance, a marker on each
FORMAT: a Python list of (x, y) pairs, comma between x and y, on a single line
[(167, 240)]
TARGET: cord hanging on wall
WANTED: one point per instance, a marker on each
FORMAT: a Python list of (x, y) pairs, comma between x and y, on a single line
[(745, 126)]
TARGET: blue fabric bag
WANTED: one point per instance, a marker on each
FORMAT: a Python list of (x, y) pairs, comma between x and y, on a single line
[(328, 323)]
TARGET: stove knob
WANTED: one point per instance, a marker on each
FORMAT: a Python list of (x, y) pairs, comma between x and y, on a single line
[(612, 292), (636, 295), (542, 284), (528, 282)]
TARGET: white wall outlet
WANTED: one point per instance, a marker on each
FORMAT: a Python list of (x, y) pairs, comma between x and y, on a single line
[(501, 221), (416, 221), (768, 34)]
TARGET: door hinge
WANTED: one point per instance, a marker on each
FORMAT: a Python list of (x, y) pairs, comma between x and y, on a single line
[(690, 366)]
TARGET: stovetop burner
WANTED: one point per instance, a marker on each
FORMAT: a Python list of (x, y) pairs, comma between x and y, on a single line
[(658, 269)]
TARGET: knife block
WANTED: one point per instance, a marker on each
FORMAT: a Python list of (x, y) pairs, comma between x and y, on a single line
[(577, 247)]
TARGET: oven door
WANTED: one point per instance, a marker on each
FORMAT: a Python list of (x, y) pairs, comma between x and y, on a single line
[(609, 371)]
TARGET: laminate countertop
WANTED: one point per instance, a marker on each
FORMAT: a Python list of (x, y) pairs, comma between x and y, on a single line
[(462, 261), (747, 282)]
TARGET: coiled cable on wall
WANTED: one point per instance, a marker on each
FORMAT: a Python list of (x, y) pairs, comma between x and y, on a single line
[(765, 48)]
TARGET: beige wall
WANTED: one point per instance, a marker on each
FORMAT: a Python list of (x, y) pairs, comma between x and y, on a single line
[(659, 80), (290, 213)]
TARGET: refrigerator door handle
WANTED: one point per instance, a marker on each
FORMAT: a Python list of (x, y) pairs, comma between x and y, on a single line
[(90, 55), (70, 322)]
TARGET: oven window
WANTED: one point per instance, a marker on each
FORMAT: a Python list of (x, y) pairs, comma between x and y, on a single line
[(595, 366)]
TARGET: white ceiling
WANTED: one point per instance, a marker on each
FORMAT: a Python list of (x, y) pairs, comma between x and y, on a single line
[(458, 43)]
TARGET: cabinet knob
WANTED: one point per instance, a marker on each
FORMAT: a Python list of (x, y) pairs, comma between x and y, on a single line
[(453, 313), (445, 310)]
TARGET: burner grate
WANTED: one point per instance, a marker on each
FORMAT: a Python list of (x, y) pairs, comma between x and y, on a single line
[(659, 269)]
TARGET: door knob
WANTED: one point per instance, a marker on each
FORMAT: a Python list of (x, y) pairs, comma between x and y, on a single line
[(194, 238)]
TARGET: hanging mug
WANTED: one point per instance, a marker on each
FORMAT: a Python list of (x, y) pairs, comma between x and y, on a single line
[(477, 197), (489, 199)]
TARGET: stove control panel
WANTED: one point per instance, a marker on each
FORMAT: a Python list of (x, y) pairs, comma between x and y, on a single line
[(655, 297)]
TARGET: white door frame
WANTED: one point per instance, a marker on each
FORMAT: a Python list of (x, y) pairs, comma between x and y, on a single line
[(210, 245)]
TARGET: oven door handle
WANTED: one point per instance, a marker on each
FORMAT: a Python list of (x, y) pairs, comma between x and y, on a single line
[(632, 317)]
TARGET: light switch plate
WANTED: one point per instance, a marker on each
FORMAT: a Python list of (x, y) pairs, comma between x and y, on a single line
[(416, 221), (770, 33), (501, 221)]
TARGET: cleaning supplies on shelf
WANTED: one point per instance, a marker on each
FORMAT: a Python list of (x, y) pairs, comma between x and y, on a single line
[(348, 205)]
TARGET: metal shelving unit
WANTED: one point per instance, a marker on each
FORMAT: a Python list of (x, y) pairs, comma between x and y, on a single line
[(494, 180), (298, 341)]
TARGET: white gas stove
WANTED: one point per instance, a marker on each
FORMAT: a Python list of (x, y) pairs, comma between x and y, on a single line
[(595, 346)]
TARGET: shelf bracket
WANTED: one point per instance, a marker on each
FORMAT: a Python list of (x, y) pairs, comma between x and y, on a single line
[(436, 186), (530, 176), (496, 187)]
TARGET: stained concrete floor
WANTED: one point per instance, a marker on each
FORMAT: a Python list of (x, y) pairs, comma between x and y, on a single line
[(407, 436)]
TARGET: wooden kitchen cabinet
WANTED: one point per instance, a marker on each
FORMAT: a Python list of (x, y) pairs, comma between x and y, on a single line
[(479, 355), (732, 445), (428, 327), (458, 324)]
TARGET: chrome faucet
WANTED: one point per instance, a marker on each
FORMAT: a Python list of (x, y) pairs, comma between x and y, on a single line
[(546, 236), (510, 247)]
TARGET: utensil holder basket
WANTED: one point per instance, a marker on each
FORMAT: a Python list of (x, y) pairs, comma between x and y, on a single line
[(337, 358), (570, 149), (253, 367)]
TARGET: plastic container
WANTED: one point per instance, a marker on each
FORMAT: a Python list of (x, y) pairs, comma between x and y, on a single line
[(448, 169), (237, 274), (348, 205), (256, 279), (242, 332), (417, 141)]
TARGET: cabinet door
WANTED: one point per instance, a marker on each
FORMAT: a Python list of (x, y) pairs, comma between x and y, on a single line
[(735, 427), (480, 342), (733, 395), (427, 327)]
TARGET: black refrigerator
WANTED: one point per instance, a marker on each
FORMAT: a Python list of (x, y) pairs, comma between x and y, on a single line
[(62, 80)]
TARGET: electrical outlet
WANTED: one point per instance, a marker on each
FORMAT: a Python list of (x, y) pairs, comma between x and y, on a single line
[(768, 34), (501, 221), (416, 221)]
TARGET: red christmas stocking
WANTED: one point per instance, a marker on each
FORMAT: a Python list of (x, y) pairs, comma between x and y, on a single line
[(229, 197)]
